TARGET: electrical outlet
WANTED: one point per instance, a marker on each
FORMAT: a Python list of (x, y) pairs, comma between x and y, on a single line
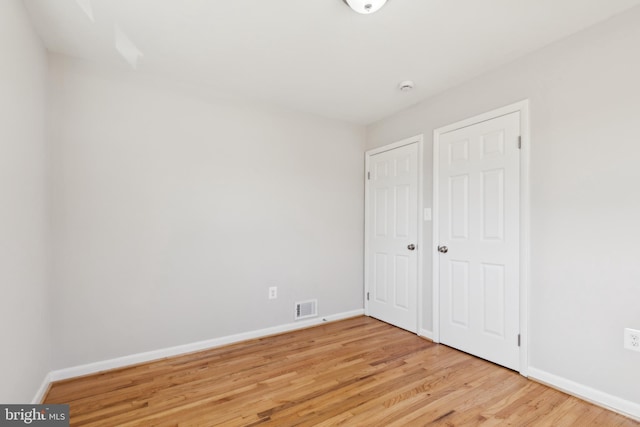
[(632, 339), (273, 292)]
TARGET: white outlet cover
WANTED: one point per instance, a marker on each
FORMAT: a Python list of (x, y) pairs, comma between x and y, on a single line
[(427, 214), (632, 339)]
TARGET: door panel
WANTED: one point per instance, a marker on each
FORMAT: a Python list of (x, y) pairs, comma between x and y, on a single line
[(479, 199), (459, 298), (393, 214), (459, 207)]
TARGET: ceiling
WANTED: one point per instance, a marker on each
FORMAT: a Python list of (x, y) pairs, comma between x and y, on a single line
[(315, 56)]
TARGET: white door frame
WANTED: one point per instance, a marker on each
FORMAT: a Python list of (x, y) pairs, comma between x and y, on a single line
[(521, 107), (417, 139)]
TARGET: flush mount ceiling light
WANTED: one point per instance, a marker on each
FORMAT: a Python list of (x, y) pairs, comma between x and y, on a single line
[(365, 6)]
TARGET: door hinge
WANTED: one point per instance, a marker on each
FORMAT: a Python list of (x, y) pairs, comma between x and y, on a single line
[(367, 296), (518, 340), (520, 143), (368, 175)]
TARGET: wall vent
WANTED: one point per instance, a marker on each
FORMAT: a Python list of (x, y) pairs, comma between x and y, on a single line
[(306, 309)]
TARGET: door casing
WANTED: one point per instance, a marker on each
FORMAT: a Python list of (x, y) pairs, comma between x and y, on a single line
[(417, 139), (522, 108)]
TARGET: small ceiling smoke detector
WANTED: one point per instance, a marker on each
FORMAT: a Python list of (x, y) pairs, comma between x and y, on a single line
[(365, 6), (406, 86)]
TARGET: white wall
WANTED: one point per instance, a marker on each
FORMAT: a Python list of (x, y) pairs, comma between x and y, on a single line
[(173, 214), (585, 203), (24, 327)]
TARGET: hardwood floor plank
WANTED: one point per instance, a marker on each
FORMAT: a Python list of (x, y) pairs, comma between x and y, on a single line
[(356, 372)]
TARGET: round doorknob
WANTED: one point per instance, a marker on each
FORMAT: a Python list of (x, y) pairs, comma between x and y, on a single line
[(443, 249), (411, 247)]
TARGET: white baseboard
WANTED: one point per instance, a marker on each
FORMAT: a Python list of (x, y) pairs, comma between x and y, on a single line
[(119, 362), (597, 397), (426, 334), (44, 387)]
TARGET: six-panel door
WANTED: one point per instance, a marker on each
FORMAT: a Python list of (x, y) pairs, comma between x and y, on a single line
[(479, 199), (392, 229)]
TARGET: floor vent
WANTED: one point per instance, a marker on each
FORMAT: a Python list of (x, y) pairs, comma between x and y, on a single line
[(306, 309)]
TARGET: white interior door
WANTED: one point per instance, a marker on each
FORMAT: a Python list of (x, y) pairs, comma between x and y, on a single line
[(392, 223), (479, 232)]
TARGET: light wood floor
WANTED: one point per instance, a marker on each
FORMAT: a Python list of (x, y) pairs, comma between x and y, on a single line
[(357, 372)]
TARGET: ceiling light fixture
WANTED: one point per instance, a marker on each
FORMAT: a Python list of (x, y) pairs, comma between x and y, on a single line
[(365, 6)]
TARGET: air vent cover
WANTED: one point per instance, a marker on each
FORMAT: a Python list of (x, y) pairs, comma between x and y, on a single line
[(306, 309)]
